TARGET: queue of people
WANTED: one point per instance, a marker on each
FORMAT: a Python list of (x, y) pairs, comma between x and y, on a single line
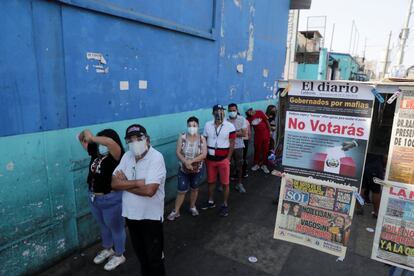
[(127, 188)]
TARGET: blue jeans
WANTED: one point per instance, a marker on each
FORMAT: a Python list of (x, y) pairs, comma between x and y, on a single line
[(187, 180), (107, 210)]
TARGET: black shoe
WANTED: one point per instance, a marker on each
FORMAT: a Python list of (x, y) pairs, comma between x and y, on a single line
[(224, 211), (208, 205)]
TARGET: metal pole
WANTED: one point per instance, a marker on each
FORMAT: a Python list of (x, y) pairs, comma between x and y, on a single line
[(332, 36), (384, 70), (355, 40), (350, 40), (404, 36), (365, 47), (357, 45)]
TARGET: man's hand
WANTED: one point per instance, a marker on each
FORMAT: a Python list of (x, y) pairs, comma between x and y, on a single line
[(348, 145), (120, 175)]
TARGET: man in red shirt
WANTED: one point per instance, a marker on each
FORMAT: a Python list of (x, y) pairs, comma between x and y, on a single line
[(259, 121)]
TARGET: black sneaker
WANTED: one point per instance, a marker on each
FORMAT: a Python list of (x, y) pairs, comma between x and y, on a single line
[(224, 211), (208, 205)]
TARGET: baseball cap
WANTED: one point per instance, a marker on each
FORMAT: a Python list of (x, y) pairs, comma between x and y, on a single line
[(136, 130), (218, 107)]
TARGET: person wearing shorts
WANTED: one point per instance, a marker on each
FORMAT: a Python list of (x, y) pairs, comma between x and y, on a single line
[(240, 125), (191, 151), (220, 136)]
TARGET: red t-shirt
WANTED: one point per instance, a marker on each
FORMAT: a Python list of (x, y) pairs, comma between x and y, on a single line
[(258, 121)]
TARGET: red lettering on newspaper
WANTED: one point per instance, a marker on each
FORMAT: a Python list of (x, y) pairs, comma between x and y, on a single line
[(313, 232), (316, 219), (402, 193)]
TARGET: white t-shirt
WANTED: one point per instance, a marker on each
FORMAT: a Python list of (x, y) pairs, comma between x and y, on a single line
[(218, 139), (151, 168), (239, 123)]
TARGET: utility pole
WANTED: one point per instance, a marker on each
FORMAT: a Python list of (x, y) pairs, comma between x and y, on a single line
[(404, 36), (387, 51), (365, 48), (332, 36), (350, 40)]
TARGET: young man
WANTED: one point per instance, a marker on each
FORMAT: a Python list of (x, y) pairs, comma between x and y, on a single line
[(220, 136), (240, 125), (141, 175), (259, 121)]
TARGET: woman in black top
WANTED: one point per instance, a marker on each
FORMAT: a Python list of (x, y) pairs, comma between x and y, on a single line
[(106, 151), (271, 115)]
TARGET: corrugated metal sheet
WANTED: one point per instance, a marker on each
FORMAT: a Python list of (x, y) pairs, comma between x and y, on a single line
[(69, 64)]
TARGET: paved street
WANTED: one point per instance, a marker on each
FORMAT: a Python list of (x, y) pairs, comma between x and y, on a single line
[(211, 245)]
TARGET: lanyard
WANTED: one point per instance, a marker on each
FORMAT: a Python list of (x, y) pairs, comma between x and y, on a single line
[(218, 133)]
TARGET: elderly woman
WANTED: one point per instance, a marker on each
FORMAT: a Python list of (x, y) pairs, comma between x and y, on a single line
[(191, 151)]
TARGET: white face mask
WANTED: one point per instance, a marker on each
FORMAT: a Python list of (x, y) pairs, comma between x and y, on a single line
[(103, 150), (192, 130), (138, 147), (233, 114)]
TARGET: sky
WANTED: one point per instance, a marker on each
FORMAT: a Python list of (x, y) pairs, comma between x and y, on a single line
[(374, 19)]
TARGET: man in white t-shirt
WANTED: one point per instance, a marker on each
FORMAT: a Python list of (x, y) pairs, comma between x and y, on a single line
[(141, 175), (220, 136), (240, 125)]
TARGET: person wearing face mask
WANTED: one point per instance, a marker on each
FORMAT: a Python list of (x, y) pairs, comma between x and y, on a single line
[(141, 176), (240, 125), (105, 150), (220, 136), (271, 115), (259, 121), (191, 150)]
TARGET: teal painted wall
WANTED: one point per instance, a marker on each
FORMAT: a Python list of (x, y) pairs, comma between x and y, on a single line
[(187, 51), (347, 65), (307, 71), (44, 210)]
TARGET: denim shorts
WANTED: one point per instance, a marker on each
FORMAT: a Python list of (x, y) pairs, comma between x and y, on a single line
[(187, 180)]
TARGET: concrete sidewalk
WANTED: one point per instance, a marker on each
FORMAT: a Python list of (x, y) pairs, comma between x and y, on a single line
[(211, 245)]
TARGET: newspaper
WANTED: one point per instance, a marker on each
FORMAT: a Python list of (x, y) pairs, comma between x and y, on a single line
[(394, 234), (315, 213), (327, 130)]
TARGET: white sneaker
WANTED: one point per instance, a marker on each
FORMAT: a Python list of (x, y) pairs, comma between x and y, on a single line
[(103, 255), (276, 173), (255, 167), (114, 262), (239, 187), (194, 212), (173, 215), (265, 169)]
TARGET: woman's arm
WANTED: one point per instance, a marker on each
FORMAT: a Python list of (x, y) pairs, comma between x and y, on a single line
[(203, 154), (178, 149), (113, 147), (186, 163)]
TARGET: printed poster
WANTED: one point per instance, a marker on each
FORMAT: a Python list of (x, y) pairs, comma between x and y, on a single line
[(327, 130), (394, 234), (400, 169), (315, 213)]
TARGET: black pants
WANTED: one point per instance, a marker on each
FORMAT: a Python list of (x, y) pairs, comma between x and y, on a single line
[(245, 150), (148, 241)]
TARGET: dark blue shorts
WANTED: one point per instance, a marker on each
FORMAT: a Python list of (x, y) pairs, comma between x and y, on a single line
[(187, 180)]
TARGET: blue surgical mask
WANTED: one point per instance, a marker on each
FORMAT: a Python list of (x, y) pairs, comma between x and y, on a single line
[(232, 114), (103, 150)]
